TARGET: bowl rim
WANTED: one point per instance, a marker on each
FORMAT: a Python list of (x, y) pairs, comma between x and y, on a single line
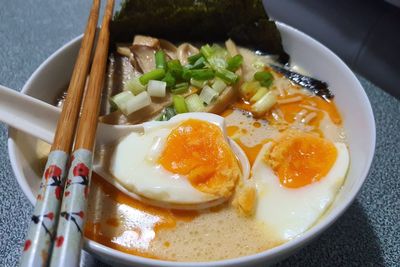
[(272, 253)]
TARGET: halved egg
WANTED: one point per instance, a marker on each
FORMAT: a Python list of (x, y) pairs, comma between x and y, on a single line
[(297, 179), (186, 160)]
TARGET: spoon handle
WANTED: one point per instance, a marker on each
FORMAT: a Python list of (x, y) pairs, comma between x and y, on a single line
[(28, 114)]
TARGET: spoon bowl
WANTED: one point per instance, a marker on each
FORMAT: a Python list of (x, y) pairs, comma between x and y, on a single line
[(39, 119)]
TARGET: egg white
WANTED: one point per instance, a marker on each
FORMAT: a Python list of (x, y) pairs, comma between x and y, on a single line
[(288, 212), (134, 164)]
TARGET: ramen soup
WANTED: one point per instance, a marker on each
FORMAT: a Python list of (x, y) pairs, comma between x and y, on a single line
[(293, 139)]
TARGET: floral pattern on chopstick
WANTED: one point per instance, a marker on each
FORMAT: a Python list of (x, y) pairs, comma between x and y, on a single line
[(73, 207), (80, 177), (45, 216)]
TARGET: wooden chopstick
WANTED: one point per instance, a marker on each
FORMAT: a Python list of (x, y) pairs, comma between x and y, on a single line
[(68, 244), (41, 232)]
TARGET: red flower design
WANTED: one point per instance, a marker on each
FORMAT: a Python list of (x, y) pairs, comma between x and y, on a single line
[(52, 171), (59, 241), (27, 245), (81, 170), (50, 215), (58, 192), (67, 193)]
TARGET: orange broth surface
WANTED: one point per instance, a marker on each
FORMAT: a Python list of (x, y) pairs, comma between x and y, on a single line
[(289, 110), (134, 233), (131, 226)]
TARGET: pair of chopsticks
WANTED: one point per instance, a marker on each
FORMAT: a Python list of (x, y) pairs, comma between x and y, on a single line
[(56, 229)]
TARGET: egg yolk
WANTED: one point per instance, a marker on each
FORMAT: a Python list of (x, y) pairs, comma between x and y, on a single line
[(198, 150), (301, 159)]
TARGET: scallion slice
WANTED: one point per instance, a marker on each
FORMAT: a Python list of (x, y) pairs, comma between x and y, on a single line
[(194, 103), (135, 86), (118, 100), (198, 64), (169, 112), (157, 88), (197, 83), (264, 77), (186, 74), (234, 62), (206, 50), (161, 63), (264, 103), (202, 74), (135, 103), (179, 104), (156, 74), (194, 58), (180, 88), (260, 93), (218, 85), (169, 79), (248, 89), (226, 75), (208, 95), (175, 68)]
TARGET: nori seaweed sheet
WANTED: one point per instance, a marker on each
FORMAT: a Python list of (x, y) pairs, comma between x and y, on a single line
[(245, 21)]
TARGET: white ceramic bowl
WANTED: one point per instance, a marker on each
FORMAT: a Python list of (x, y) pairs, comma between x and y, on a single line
[(53, 75)]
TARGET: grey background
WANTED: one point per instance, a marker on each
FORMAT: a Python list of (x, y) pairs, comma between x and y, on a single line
[(361, 32), (368, 234)]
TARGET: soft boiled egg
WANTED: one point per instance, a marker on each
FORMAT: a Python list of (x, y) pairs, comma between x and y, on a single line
[(297, 178), (186, 160)]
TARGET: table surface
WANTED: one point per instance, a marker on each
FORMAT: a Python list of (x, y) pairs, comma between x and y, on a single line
[(367, 234)]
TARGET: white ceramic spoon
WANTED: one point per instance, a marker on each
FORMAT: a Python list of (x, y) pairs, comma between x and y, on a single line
[(39, 119)]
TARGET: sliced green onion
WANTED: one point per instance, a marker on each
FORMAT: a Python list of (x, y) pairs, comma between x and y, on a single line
[(264, 77), (264, 103), (169, 79), (194, 103), (234, 62), (135, 86), (267, 83), (218, 85), (206, 50), (180, 88), (198, 64), (248, 89), (179, 104), (167, 114), (156, 74), (202, 75), (197, 83), (161, 63), (118, 100), (194, 58), (186, 74), (175, 68), (260, 93), (217, 62), (208, 95), (157, 88), (226, 75), (137, 102), (218, 57)]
